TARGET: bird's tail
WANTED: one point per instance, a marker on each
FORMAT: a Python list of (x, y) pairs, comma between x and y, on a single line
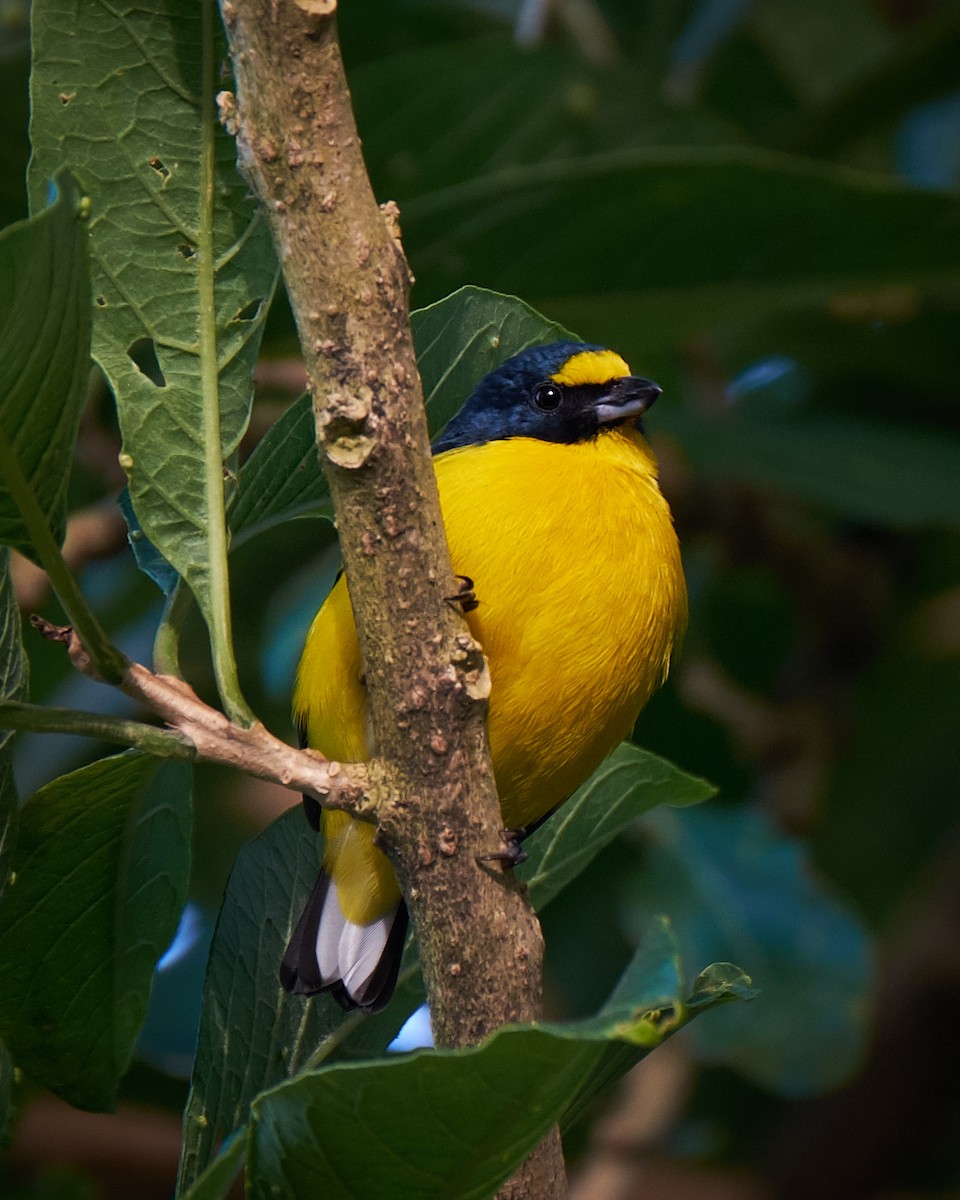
[(357, 963)]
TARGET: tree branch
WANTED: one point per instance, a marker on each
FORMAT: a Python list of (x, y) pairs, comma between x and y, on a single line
[(199, 732), (348, 281), (480, 943)]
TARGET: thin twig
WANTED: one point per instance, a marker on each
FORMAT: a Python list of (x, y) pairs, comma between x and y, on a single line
[(197, 731)]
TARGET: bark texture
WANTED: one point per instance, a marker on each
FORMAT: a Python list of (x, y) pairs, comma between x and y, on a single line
[(427, 682)]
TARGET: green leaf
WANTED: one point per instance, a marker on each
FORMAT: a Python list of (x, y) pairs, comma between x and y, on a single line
[(351, 1129), (432, 118), (735, 889), (216, 1182), (182, 274), (102, 864), (282, 479), (252, 1033), (733, 218), (44, 358), (646, 1006), (628, 784), (13, 686), (886, 474), (464, 336), (458, 340)]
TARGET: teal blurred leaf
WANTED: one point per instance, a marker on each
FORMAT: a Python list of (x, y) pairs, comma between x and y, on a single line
[(44, 355), (735, 889), (125, 98), (867, 471), (351, 1128), (458, 340), (148, 558), (102, 863), (627, 785)]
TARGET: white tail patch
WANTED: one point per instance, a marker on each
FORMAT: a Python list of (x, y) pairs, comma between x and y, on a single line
[(349, 952)]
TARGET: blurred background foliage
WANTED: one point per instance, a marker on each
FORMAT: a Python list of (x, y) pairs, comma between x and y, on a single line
[(683, 180)]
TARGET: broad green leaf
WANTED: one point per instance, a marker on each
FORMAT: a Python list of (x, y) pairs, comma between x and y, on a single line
[(44, 358), (464, 336), (271, 1035), (628, 784), (886, 474), (435, 117), (13, 686), (653, 984), (458, 340), (724, 217), (351, 1129), (252, 1033), (734, 889), (182, 275), (282, 479), (102, 863)]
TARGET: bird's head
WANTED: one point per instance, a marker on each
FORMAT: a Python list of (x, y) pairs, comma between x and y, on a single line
[(562, 392)]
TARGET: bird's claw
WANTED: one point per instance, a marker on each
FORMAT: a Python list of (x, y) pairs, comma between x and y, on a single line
[(512, 854), (465, 599)]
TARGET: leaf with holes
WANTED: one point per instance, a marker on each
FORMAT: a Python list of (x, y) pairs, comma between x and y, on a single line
[(102, 862), (44, 359), (181, 261)]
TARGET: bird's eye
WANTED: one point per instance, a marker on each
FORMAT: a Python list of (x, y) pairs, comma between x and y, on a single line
[(547, 396)]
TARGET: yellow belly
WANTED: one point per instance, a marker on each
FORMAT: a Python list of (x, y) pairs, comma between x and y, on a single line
[(576, 566)]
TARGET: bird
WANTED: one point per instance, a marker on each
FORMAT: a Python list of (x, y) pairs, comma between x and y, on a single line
[(575, 590)]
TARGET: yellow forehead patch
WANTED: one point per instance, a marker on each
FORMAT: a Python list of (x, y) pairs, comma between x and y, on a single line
[(591, 366)]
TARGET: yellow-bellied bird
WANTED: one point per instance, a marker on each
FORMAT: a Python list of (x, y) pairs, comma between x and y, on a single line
[(552, 509)]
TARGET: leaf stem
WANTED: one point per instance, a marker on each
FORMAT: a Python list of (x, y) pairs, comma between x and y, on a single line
[(166, 644), (36, 718), (221, 635), (109, 662)]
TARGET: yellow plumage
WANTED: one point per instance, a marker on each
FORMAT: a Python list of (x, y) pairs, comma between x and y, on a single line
[(576, 567)]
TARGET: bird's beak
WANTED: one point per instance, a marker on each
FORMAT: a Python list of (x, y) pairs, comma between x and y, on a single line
[(627, 397)]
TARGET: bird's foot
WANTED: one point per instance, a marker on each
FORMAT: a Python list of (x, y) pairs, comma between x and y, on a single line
[(465, 599), (513, 853)]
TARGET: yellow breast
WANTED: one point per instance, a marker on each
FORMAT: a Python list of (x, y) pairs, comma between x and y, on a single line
[(577, 570)]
